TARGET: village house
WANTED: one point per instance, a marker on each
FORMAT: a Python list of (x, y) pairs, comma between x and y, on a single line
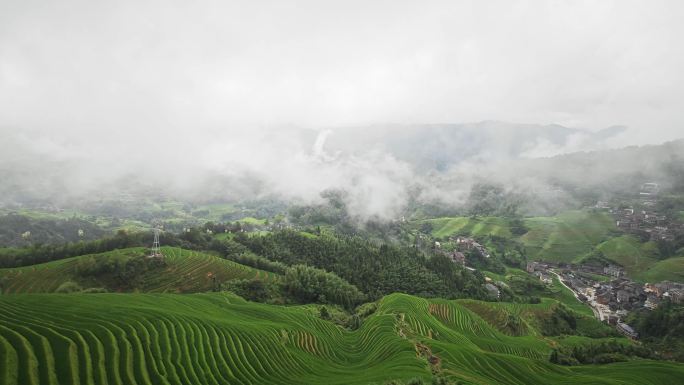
[(604, 296), (492, 290), (627, 330), (676, 295), (464, 243), (652, 301), (613, 270), (663, 287), (458, 258), (622, 296)]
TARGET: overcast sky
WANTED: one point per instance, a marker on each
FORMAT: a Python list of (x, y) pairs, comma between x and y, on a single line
[(197, 66), (158, 88)]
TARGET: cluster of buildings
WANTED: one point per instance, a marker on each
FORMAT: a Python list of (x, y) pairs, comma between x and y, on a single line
[(619, 294), (465, 243), (540, 270), (674, 291), (458, 257), (631, 220), (611, 300), (643, 219)]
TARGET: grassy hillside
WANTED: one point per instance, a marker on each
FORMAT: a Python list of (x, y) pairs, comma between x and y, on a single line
[(567, 236), (220, 339), (561, 238), (444, 227), (185, 271), (671, 269), (630, 253)]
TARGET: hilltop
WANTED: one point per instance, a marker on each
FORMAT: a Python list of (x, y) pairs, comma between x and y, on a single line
[(181, 271)]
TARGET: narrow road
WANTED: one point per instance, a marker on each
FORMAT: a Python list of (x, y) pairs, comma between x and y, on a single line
[(597, 312), (566, 286)]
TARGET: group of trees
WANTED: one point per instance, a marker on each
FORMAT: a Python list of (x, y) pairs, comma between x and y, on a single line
[(601, 353), (560, 321), (117, 271), (19, 230), (15, 257), (300, 284), (661, 328), (375, 270), (41, 253), (309, 284)]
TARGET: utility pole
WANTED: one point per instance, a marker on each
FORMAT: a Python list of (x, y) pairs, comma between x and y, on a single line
[(156, 250)]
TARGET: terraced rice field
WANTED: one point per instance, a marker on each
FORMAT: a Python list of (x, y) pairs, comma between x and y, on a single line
[(218, 338), (186, 272), (567, 236), (444, 227), (671, 269), (630, 253)]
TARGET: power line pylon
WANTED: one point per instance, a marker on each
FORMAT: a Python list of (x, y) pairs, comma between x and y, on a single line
[(156, 250)]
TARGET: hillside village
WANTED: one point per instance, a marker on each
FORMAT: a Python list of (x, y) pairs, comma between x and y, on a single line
[(611, 300), (615, 295), (642, 218), (605, 288)]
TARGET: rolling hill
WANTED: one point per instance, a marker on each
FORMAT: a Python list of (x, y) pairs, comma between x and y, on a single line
[(561, 238), (186, 271), (445, 227), (628, 252), (567, 236), (218, 338), (671, 269)]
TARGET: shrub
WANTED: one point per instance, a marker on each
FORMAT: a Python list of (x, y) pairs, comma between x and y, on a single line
[(253, 289), (94, 290), (68, 287), (308, 284)]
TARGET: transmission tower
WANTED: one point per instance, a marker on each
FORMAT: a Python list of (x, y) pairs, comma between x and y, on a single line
[(156, 251)]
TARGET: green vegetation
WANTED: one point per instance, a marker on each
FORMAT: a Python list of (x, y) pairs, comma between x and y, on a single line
[(566, 236), (220, 338), (181, 271), (565, 296), (309, 284), (630, 253), (671, 269), (472, 226), (21, 230), (601, 353), (375, 270), (661, 329)]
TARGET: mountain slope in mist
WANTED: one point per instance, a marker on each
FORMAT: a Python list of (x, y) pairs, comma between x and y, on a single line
[(381, 168)]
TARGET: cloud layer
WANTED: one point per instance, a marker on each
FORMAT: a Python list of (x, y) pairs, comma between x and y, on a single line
[(176, 93)]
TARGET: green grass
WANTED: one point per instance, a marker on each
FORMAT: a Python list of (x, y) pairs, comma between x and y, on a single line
[(671, 269), (224, 236), (565, 295), (628, 252), (253, 221), (186, 271), (214, 212), (510, 271), (220, 339), (445, 227), (567, 236)]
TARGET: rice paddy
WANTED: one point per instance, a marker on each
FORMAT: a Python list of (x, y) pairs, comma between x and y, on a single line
[(186, 271), (218, 338)]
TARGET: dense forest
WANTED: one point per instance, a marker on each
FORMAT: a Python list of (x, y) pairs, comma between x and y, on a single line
[(20, 230), (376, 270)]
